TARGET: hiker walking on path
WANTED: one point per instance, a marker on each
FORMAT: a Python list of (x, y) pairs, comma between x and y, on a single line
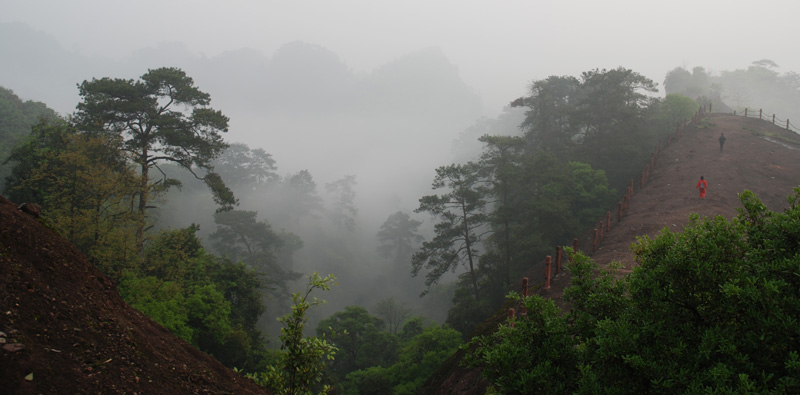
[(721, 141), (702, 185)]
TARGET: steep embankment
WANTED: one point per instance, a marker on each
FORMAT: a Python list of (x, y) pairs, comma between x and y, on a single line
[(757, 156), (65, 328)]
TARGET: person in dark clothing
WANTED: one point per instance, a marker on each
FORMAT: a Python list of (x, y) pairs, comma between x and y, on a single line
[(721, 141)]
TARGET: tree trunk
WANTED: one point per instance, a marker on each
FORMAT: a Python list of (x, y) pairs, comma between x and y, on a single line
[(472, 274), (143, 193)]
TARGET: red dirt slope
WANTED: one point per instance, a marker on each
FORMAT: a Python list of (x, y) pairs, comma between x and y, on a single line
[(757, 156), (65, 328)]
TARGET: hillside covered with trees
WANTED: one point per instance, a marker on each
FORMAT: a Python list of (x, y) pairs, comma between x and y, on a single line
[(141, 155)]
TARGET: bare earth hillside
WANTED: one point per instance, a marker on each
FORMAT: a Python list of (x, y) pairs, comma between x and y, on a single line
[(757, 156), (66, 330)]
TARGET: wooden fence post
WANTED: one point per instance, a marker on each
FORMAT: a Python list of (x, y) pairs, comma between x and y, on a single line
[(511, 314), (773, 119), (548, 262), (608, 221)]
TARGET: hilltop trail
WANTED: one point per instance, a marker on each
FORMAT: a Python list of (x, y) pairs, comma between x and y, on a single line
[(750, 161), (757, 156)]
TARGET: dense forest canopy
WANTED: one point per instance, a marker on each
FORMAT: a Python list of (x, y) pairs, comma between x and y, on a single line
[(711, 309), (209, 239)]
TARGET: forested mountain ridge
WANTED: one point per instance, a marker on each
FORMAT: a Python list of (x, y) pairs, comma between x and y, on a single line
[(78, 335), (757, 156)]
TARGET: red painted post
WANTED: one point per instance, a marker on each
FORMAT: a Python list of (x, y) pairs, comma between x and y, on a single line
[(631, 186), (548, 262), (608, 221), (511, 314), (594, 243), (619, 215), (558, 259)]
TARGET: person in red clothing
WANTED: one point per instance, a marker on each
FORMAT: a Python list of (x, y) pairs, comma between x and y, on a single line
[(702, 185)]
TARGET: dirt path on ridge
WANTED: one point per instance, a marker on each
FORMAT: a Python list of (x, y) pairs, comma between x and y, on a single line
[(751, 160)]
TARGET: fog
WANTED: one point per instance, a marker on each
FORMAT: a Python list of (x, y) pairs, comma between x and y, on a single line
[(383, 91)]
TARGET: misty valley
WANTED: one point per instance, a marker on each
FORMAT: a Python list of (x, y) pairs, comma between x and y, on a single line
[(404, 219)]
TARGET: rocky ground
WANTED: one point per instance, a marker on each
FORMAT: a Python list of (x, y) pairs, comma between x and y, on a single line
[(65, 330)]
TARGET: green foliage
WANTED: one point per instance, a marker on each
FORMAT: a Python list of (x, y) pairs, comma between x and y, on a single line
[(530, 354), (678, 108), (537, 201), (343, 210), (212, 303), (299, 368), (393, 313), (599, 119), (461, 214), (712, 309), (419, 357), (361, 341), (242, 167), (239, 237), (398, 237), (592, 196), (162, 117), (16, 119), (84, 187), (163, 301)]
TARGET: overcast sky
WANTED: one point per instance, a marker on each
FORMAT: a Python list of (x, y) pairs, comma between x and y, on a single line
[(498, 46)]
